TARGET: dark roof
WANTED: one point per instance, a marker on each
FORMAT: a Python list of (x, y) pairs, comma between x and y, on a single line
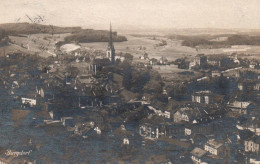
[(198, 152), (245, 134), (255, 139)]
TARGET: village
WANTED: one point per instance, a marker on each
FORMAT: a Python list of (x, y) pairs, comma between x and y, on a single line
[(208, 112)]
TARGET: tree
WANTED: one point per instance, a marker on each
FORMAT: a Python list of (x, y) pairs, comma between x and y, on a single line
[(129, 57)]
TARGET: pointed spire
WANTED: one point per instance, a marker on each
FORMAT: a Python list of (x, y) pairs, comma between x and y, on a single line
[(111, 49), (111, 35)]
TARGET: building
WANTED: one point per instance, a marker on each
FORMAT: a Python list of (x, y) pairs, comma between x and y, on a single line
[(160, 113), (110, 47), (197, 155), (149, 131), (96, 118), (119, 58), (201, 97), (252, 145), (163, 60), (253, 64), (240, 107), (192, 129), (174, 130), (29, 101), (215, 74), (186, 114), (214, 60), (200, 59), (126, 141), (214, 147), (67, 121), (144, 56), (248, 85)]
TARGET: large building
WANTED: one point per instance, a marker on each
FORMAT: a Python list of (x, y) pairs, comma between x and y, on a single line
[(110, 47)]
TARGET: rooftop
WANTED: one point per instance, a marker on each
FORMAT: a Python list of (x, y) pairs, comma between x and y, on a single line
[(198, 152), (214, 143)]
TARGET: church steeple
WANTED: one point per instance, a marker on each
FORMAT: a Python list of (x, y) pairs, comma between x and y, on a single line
[(110, 47)]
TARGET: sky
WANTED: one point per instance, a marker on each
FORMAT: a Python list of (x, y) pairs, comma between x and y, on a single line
[(143, 14)]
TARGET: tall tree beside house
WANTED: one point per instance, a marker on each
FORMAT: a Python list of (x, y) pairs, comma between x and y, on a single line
[(127, 74)]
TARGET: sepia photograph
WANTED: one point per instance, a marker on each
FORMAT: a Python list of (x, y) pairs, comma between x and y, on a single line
[(129, 82)]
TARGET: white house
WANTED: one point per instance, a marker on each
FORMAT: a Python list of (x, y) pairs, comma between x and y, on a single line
[(214, 147), (252, 145), (197, 155), (30, 101)]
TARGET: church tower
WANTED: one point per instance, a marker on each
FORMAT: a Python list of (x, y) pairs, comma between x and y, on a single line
[(110, 47)]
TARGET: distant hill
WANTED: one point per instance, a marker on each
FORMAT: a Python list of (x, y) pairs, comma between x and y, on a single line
[(85, 36), (210, 41), (3, 38), (78, 34), (31, 28)]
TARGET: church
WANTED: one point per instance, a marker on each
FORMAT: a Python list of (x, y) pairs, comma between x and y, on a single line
[(110, 47), (111, 50), (109, 59)]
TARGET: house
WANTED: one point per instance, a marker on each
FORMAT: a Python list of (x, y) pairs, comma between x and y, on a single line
[(60, 78), (252, 144), (100, 63), (254, 161), (248, 85), (186, 114), (257, 86), (200, 59), (234, 58), (163, 60), (96, 118), (240, 86), (144, 56), (40, 91), (253, 64), (153, 61), (92, 132), (202, 97), (191, 65), (149, 132), (214, 147), (214, 60), (197, 155), (29, 101), (240, 107), (174, 130), (198, 139), (67, 121), (159, 112), (86, 79), (119, 58), (123, 135), (215, 74), (191, 129)]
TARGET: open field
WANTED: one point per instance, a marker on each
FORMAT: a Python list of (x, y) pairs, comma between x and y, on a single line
[(41, 44), (44, 45), (172, 50)]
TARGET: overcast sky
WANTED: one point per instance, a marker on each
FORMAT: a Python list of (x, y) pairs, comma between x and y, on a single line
[(136, 13)]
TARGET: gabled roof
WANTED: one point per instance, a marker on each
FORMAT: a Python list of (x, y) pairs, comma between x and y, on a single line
[(192, 113), (202, 93), (198, 152), (215, 144), (240, 104)]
